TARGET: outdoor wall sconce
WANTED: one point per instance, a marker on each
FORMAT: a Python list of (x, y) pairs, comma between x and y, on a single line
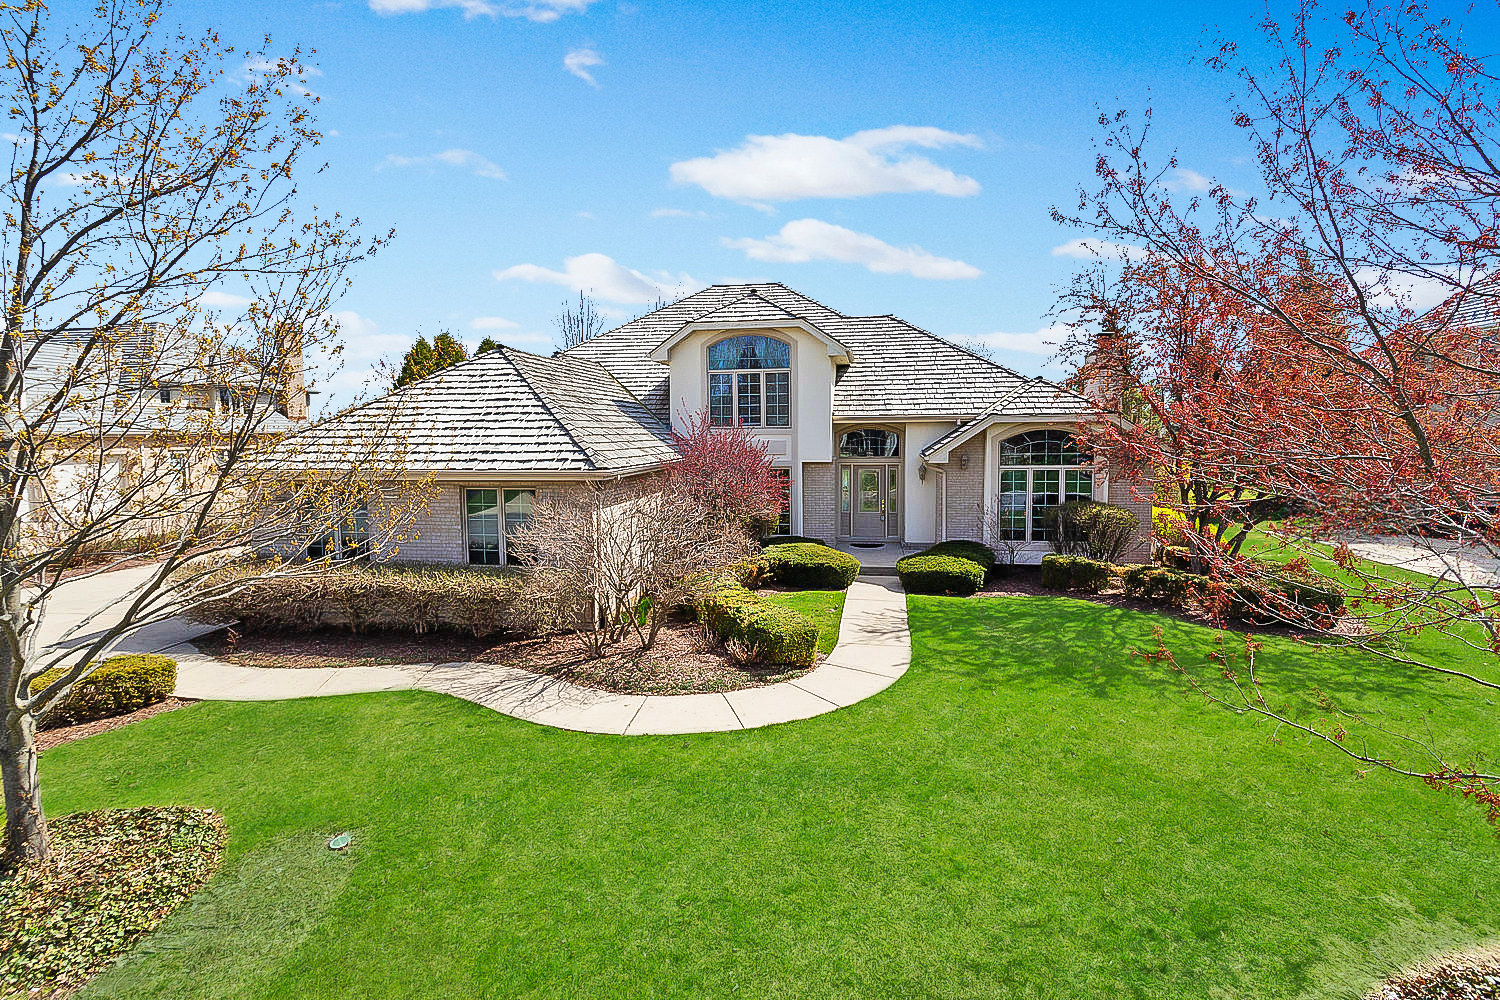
[(963, 461), (922, 472)]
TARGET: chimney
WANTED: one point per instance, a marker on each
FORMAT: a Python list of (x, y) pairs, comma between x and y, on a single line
[(1105, 369)]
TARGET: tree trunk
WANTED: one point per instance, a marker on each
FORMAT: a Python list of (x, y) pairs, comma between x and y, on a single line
[(26, 837)]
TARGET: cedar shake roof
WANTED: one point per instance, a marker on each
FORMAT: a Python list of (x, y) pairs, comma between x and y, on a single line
[(896, 369), (505, 411)]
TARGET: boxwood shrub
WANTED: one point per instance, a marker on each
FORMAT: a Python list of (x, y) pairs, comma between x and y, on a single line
[(118, 686), (777, 634), (418, 599), (938, 574), (973, 551), (1075, 573), (766, 543), (1278, 598), (1163, 585), (810, 566)]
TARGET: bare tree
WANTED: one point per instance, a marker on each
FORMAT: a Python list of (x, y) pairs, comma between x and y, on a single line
[(134, 418), (614, 559), (578, 324)]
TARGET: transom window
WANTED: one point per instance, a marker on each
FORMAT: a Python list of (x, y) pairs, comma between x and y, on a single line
[(869, 442), (750, 382), (492, 517), (1026, 496)]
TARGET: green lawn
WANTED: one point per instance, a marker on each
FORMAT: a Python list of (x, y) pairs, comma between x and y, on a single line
[(1029, 812), (825, 607)]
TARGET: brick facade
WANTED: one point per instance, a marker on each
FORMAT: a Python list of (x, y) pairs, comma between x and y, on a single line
[(963, 491), (820, 499), (1122, 494)]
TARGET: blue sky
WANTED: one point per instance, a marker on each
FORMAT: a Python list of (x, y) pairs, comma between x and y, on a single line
[(907, 158)]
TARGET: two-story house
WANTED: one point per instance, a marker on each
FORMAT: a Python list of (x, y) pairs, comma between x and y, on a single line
[(887, 433)]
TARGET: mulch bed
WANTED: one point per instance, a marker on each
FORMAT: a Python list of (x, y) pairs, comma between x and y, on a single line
[(48, 738), (114, 876), (684, 660), (1460, 977)]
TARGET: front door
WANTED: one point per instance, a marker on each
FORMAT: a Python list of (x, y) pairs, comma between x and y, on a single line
[(870, 501)]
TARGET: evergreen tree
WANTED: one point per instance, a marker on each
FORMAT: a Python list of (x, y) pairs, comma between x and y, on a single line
[(487, 345), (424, 359)]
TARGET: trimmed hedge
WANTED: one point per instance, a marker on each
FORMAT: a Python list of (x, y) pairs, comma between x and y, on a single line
[(1163, 585), (1075, 573), (418, 599), (810, 566), (939, 574), (775, 634), (977, 552), (1261, 601), (766, 543), (118, 686)]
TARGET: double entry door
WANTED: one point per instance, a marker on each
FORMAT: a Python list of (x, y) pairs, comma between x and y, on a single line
[(875, 500)]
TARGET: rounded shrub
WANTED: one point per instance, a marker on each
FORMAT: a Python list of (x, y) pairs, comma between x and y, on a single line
[(938, 574), (118, 686), (1075, 573), (1098, 531), (1162, 585), (766, 543), (977, 552), (775, 634), (810, 566)]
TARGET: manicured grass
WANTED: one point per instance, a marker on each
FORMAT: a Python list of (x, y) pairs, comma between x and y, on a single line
[(1028, 812), (824, 607)]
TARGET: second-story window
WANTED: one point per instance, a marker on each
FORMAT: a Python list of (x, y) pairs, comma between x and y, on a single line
[(750, 382)]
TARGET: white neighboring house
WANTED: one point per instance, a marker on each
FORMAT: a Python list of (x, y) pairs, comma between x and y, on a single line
[(887, 433)]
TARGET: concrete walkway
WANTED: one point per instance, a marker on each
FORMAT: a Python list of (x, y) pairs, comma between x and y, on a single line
[(1444, 558), (874, 650)]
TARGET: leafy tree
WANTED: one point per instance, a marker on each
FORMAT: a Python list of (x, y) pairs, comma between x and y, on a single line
[(487, 345), (1377, 137), (728, 471)]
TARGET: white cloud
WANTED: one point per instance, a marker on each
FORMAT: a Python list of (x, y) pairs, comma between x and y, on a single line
[(602, 277), (463, 158), (215, 299), (492, 323), (1043, 341), (1183, 179), (1091, 249), (578, 62), (677, 213), (541, 11), (811, 239), (786, 167)]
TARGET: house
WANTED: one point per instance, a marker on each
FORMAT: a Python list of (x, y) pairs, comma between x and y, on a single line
[(132, 421), (887, 433)]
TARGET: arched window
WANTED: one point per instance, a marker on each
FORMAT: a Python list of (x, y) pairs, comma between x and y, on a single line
[(869, 442), (1039, 470), (750, 382)]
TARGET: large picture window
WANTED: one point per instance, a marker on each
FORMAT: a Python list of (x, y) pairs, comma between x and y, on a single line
[(491, 518), (1040, 470), (750, 382)]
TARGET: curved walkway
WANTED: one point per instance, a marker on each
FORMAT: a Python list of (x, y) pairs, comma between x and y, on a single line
[(874, 649)]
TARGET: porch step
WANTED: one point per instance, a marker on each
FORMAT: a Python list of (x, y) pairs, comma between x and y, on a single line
[(877, 571)]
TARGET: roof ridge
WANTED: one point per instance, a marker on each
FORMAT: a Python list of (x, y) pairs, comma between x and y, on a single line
[(554, 411), (944, 340)]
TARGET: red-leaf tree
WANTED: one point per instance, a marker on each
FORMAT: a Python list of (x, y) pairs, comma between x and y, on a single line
[(727, 470), (1298, 362)]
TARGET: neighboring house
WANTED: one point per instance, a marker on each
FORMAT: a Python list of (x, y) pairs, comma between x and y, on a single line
[(886, 432), (134, 413)]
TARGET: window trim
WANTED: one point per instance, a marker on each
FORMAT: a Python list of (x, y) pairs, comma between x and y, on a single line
[(1064, 471), (736, 377), (501, 521)]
